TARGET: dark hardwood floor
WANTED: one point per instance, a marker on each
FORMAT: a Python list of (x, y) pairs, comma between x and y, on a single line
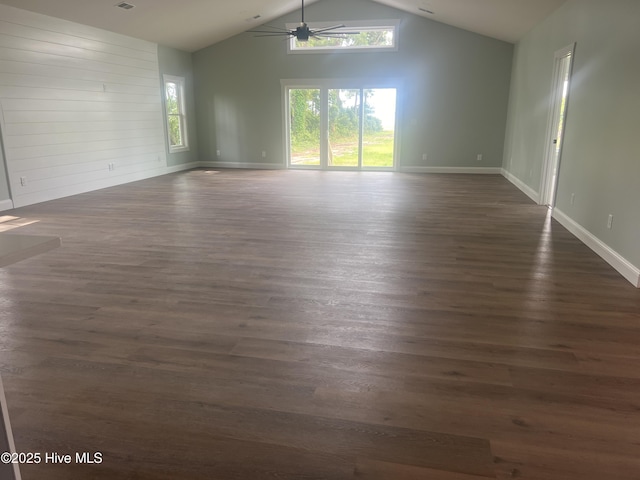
[(319, 325)]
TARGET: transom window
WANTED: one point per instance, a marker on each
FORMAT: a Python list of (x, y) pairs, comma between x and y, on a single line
[(176, 115), (354, 36)]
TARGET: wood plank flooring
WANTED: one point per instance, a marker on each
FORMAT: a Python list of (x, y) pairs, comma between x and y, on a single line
[(319, 325)]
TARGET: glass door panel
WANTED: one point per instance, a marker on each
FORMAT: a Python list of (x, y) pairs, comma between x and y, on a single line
[(378, 137), (304, 127), (344, 127)]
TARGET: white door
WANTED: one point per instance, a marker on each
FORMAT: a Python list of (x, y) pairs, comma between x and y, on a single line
[(557, 121)]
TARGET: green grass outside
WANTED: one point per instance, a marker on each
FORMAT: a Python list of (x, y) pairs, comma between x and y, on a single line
[(377, 151)]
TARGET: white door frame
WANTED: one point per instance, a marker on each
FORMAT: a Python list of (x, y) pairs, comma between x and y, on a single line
[(551, 166), (4, 165), (286, 119)]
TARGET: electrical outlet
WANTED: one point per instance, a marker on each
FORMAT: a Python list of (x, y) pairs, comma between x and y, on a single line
[(424, 156), (218, 153), (573, 198), (264, 154), (610, 221), (479, 157), (23, 181)]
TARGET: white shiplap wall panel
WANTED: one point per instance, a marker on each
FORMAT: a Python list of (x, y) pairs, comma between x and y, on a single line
[(66, 83), (74, 99), (89, 167), (23, 153), (48, 36), (31, 69), (18, 141), (80, 183), (125, 154), (44, 128), (19, 117), (75, 95), (77, 183), (53, 60), (38, 104), (58, 49)]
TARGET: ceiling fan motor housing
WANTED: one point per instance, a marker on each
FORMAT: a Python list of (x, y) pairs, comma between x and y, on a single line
[(303, 33)]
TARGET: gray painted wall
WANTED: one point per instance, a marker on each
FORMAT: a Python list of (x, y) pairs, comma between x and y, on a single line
[(453, 104), (601, 153), (178, 63)]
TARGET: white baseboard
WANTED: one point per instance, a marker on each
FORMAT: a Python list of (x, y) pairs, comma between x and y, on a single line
[(6, 205), (526, 189), (182, 167), (258, 166), (89, 186), (472, 170), (613, 258), (39, 196)]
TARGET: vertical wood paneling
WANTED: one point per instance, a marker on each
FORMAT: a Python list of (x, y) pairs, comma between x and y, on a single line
[(73, 101)]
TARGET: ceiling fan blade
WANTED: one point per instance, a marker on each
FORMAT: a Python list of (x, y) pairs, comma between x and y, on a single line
[(329, 36), (334, 34), (328, 28)]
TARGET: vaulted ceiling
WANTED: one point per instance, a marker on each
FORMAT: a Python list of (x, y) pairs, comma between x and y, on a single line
[(194, 24)]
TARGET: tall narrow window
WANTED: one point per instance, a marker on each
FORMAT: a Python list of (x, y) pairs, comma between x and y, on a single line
[(176, 117)]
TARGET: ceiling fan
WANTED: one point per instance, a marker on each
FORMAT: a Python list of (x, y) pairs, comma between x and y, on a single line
[(303, 32)]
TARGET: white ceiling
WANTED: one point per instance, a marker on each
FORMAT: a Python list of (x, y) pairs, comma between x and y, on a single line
[(194, 24)]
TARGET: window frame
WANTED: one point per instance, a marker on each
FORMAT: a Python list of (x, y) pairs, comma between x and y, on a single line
[(393, 25), (182, 115), (324, 84)]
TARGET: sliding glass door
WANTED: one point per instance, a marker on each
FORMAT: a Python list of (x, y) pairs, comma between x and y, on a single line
[(341, 128), (344, 128), (379, 129), (304, 127)]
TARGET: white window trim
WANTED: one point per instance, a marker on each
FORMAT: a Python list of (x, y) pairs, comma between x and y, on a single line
[(348, 25), (181, 109)]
